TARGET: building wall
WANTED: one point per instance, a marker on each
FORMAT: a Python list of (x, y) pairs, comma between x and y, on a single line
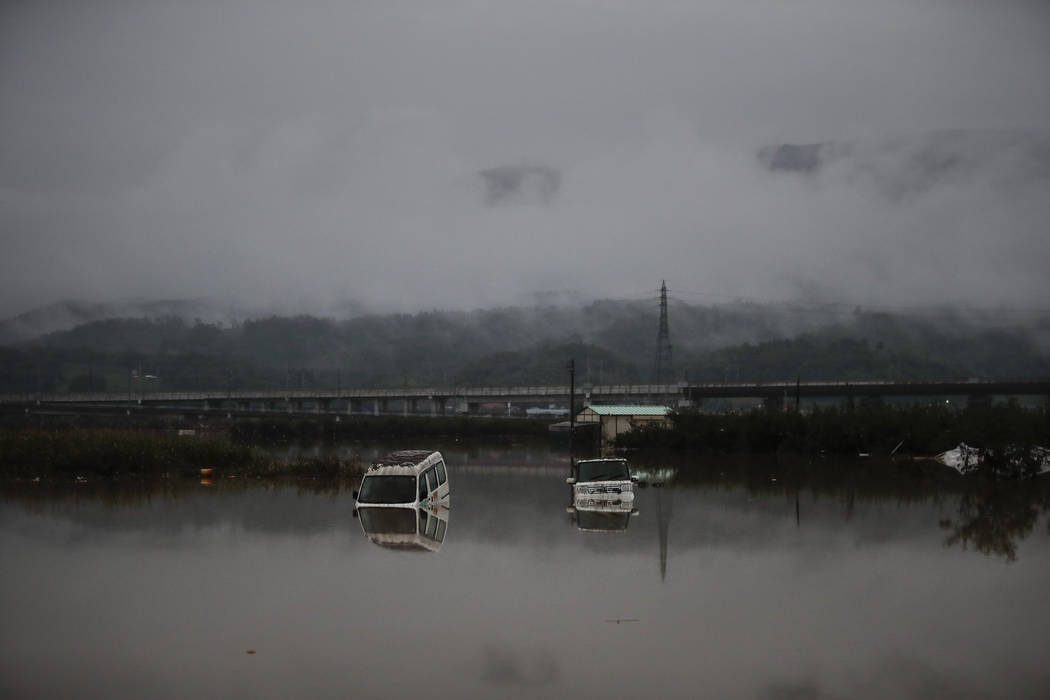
[(611, 426)]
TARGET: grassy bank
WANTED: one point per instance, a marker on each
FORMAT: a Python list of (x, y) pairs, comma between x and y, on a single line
[(69, 454), (356, 427), (279, 428), (875, 429)]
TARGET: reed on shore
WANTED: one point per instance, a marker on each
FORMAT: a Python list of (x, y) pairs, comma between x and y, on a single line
[(73, 453), (874, 428)]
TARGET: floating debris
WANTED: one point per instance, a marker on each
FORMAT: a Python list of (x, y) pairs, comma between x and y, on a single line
[(1013, 460), (963, 458)]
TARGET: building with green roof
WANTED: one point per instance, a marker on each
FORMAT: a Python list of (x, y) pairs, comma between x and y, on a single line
[(614, 420)]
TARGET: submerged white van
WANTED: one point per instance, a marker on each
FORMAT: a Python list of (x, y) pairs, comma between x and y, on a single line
[(409, 478), (403, 502)]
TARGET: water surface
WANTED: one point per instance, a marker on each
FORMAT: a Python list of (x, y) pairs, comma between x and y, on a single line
[(751, 581)]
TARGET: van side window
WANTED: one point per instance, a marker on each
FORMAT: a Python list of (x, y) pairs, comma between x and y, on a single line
[(442, 477), (432, 479), (441, 530), (422, 521), (422, 487)]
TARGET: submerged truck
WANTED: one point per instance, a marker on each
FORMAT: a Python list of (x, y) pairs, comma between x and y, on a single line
[(602, 495)]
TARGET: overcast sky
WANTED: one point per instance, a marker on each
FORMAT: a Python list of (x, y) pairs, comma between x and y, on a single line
[(302, 153)]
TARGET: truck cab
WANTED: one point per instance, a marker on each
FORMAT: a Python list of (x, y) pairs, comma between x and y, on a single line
[(602, 481), (602, 495)]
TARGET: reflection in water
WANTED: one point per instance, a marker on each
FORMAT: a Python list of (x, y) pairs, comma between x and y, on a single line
[(600, 514), (994, 521), (589, 520), (405, 529), (993, 517), (663, 525)]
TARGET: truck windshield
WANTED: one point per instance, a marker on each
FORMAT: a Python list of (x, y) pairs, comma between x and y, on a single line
[(388, 489), (603, 470)]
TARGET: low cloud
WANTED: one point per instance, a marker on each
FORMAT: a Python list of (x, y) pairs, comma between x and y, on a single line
[(301, 157)]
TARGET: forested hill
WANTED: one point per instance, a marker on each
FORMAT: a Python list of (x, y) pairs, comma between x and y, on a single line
[(611, 341)]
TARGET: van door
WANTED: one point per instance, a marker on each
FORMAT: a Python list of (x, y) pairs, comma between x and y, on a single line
[(442, 480)]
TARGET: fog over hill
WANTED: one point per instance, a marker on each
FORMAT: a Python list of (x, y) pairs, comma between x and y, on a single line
[(455, 155), (612, 341), (67, 315)]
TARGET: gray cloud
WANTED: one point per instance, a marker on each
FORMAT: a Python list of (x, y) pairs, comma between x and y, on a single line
[(298, 155)]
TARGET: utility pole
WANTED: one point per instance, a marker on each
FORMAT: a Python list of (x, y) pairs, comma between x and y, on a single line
[(572, 407), (663, 341)]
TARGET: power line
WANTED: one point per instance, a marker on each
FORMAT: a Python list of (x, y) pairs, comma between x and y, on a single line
[(834, 307), (850, 306)]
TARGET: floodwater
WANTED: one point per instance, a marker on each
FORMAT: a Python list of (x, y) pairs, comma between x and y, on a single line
[(735, 579)]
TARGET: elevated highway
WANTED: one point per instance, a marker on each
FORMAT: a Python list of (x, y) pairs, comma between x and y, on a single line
[(443, 400), (991, 387), (437, 400)]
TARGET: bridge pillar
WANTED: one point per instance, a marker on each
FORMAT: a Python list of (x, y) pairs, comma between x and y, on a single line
[(774, 402), (323, 405), (442, 404), (473, 407)]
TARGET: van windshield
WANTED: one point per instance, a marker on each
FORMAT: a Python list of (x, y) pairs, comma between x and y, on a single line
[(388, 489), (603, 470)]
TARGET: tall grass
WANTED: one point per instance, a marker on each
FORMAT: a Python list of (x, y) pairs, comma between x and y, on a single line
[(923, 429), (79, 452)]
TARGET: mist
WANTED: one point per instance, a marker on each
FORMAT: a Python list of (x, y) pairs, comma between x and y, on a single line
[(299, 157)]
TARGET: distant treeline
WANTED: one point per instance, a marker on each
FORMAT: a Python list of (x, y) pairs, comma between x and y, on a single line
[(868, 428), (612, 342)]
